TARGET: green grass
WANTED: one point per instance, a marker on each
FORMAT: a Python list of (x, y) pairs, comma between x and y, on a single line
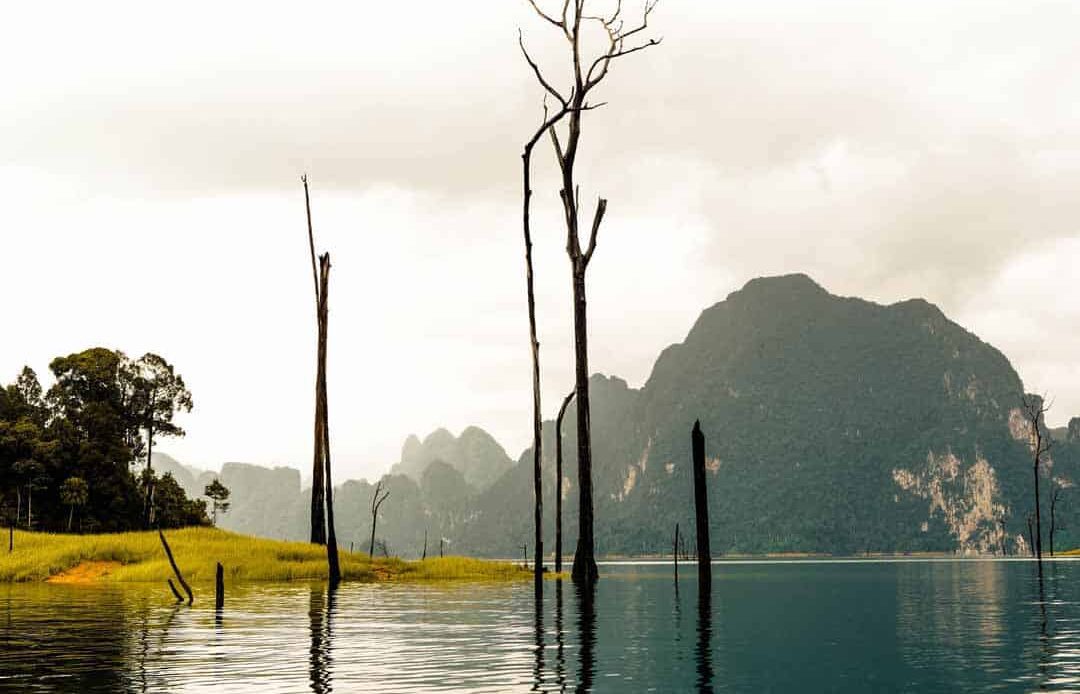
[(38, 556)]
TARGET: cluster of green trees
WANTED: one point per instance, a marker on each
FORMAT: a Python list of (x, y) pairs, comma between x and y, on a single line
[(70, 456)]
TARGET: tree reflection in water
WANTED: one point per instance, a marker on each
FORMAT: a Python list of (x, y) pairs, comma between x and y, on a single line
[(586, 595), (704, 639), (321, 615)]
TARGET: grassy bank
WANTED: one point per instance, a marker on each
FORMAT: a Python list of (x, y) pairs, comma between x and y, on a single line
[(139, 557)]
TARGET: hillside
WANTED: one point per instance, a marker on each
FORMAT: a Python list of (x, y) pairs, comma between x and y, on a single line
[(833, 424)]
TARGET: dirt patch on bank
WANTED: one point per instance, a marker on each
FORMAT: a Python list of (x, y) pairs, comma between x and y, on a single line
[(86, 572)]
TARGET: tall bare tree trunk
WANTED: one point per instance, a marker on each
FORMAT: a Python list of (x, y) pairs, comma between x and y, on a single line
[(333, 566), (558, 481), (1035, 409), (534, 351), (376, 502), (584, 570), (318, 483)]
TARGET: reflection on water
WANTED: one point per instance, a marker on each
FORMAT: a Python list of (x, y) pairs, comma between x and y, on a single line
[(938, 626), (320, 615), (586, 596), (703, 651)]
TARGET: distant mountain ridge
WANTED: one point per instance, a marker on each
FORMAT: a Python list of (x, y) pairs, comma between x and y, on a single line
[(475, 454), (833, 424)]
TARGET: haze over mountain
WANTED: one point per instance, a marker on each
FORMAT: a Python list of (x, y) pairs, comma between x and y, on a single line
[(833, 424)]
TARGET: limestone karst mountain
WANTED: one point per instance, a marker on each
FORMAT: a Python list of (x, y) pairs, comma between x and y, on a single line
[(833, 424)]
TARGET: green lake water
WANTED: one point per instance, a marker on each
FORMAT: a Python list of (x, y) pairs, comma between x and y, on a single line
[(790, 626)]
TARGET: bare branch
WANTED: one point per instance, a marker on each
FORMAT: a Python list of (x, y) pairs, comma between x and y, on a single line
[(536, 70), (311, 240), (549, 18), (558, 147), (617, 39), (604, 61), (601, 208)]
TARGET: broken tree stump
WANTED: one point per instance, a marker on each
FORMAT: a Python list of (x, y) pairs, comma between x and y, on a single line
[(219, 587), (176, 569)]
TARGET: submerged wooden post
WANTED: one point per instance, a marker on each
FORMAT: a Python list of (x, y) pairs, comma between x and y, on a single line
[(219, 587), (424, 555), (701, 506), (176, 569), (675, 552)]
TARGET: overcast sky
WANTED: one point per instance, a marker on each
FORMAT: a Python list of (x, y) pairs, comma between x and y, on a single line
[(150, 162)]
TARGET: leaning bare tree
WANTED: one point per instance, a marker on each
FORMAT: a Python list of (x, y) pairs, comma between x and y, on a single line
[(322, 486), (619, 40), (1035, 411), (376, 501)]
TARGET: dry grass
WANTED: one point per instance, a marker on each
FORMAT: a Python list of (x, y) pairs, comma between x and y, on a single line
[(38, 556)]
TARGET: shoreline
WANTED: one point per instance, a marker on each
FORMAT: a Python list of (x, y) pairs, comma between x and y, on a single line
[(138, 557)]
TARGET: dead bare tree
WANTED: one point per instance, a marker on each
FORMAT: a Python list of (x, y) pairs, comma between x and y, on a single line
[(322, 486), (176, 570), (573, 103), (558, 481), (1035, 411), (377, 500)]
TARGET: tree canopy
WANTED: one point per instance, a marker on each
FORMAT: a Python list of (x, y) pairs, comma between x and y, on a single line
[(92, 425)]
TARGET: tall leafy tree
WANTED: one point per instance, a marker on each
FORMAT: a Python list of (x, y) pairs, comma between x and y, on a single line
[(157, 394), (89, 426), (97, 431)]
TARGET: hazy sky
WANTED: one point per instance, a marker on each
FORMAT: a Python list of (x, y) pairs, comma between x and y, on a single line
[(150, 162)]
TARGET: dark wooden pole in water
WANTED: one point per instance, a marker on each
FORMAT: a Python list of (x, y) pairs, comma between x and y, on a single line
[(219, 587), (175, 568), (675, 551), (424, 556), (558, 481), (172, 587), (701, 506)]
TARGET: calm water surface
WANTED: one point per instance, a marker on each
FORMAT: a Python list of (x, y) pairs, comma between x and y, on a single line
[(925, 626)]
